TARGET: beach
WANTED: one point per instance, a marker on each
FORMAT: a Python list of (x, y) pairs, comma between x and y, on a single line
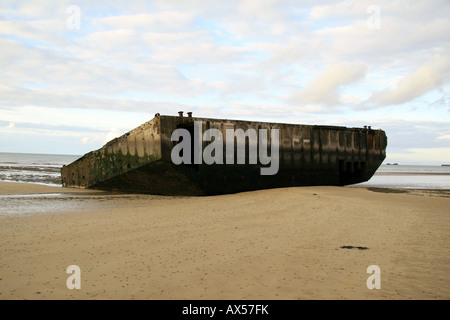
[(288, 243)]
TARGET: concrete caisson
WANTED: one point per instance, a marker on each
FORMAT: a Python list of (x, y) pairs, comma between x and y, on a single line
[(140, 160)]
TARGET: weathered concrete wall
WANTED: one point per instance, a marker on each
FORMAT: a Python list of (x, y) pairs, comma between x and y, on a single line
[(126, 153), (299, 144), (308, 155)]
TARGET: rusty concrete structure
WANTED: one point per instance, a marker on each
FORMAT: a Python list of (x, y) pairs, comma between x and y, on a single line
[(309, 155)]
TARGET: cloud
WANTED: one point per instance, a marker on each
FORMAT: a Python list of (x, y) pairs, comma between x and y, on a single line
[(10, 125), (444, 137), (407, 32), (428, 77), (324, 89), (341, 10), (163, 21), (112, 134)]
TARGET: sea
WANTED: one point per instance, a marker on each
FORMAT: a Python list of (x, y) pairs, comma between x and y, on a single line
[(33, 168), (46, 169)]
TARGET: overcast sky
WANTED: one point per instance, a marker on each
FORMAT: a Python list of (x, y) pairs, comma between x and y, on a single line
[(75, 74)]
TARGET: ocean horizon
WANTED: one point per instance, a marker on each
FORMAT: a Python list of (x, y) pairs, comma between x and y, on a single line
[(33, 167), (46, 169)]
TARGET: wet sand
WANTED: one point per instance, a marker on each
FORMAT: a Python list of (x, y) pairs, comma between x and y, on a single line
[(291, 243)]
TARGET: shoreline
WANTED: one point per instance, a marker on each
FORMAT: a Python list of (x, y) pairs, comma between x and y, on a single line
[(13, 187), (28, 188), (288, 243)]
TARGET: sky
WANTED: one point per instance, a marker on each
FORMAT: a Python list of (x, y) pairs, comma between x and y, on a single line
[(76, 74)]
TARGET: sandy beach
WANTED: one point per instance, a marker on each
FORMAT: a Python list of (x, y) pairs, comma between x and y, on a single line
[(291, 243)]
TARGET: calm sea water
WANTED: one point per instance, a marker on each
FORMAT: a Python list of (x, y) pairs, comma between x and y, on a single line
[(33, 168), (410, 177), (45, 169)]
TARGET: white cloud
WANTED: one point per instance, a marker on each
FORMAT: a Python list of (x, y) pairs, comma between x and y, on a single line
[(324, 90), (165, 21), (112, 134), (405, 30), (340, 10), (428, 77)]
